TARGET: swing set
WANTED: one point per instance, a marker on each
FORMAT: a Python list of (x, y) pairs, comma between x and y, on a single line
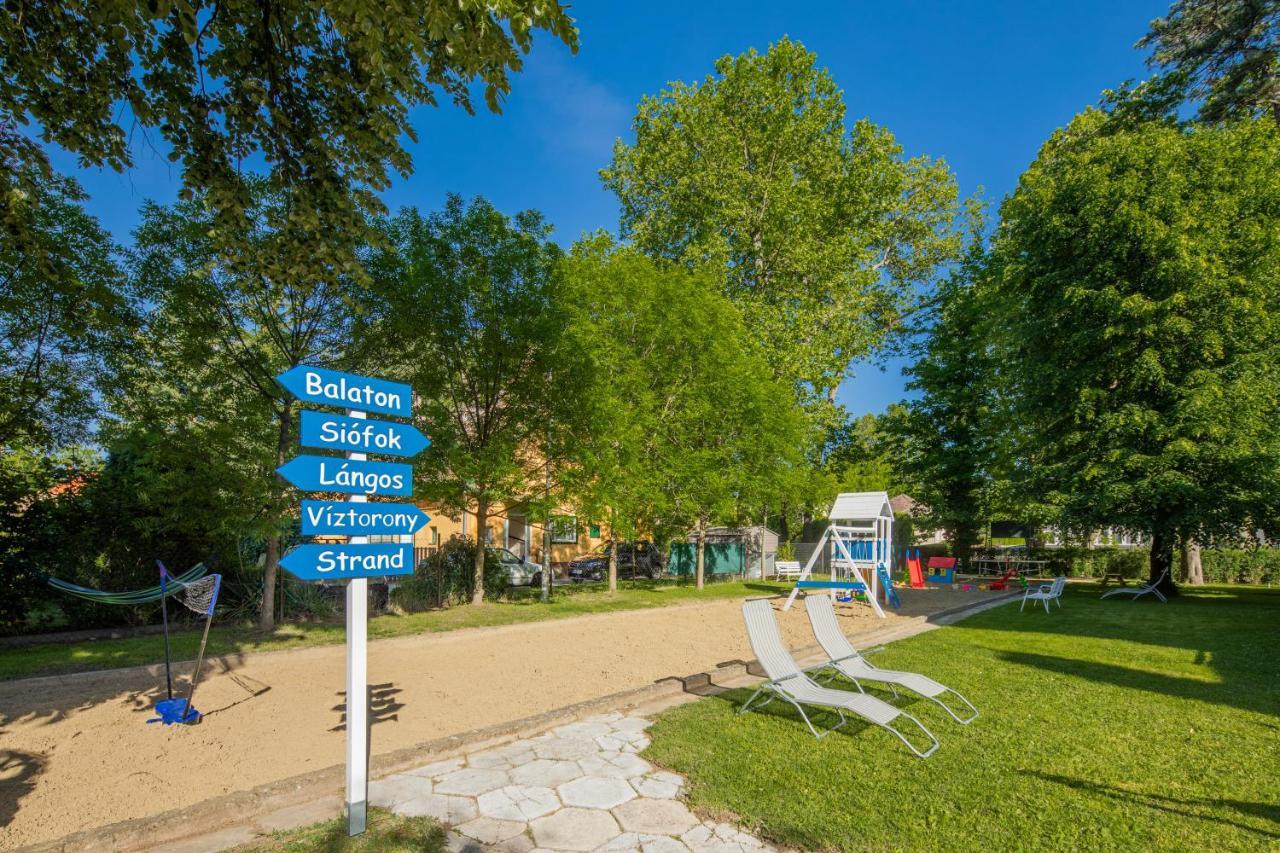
[(858, 542), (198, 592)]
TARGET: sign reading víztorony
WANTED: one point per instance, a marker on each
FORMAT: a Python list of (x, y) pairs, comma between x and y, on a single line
[(334, 388), (341, 518), (332, 474), (328, 431)]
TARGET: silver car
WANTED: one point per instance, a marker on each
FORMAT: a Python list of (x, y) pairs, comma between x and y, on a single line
[(520, 572)]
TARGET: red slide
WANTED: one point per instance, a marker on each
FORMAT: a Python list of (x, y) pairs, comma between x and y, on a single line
[(914, 572)]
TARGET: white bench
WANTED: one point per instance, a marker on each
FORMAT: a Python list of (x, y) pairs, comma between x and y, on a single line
[(786, 569)]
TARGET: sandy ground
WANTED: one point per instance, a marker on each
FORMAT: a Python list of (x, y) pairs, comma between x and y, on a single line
[(76, 753)]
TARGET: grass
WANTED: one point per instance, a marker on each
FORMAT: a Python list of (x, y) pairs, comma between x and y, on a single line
[(58, 658), (1108, 725), (386, 832)]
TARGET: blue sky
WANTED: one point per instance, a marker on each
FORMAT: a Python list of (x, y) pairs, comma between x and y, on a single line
[(981, 85)]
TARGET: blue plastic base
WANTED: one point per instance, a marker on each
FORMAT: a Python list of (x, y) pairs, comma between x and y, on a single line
[(174, 711)]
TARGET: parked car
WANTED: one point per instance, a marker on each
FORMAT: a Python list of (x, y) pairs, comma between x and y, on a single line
[(520, 572), (643, 555)]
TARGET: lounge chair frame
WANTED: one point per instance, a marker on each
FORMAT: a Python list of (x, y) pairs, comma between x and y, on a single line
[(1141, 589), (847, 661), (782, 672)]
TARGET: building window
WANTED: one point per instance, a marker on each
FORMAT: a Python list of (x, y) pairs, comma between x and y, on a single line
[(435, 535), (594, 531), (564, 529)]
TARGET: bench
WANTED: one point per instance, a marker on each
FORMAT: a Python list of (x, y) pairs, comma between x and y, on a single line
[(786, 569)]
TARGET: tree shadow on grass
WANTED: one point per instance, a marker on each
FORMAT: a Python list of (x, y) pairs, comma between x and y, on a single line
[(1191, 807), (1150, 682)]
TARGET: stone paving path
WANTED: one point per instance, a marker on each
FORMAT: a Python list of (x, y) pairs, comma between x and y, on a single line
[(578, 787)]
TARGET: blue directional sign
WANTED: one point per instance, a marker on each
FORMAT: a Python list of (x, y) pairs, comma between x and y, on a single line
[(333, 474), (359, 435), (340, 518), (333, 388), (344, 562)]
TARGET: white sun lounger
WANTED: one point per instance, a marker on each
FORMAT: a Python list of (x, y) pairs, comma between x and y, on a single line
[(1141, 589), (788, 683), (846, 660), (1045, 592)]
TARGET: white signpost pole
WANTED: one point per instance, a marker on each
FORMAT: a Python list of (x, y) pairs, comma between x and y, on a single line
[(357, 684)]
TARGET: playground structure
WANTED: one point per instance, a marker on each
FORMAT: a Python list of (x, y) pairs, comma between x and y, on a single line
[(859, 539)]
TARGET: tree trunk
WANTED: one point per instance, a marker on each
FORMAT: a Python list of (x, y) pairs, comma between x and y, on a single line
[(784, 535), (702, 553), (613, 563), (546, 559), (482, 523), (271, 566), (1162, 561), (1190, 570)]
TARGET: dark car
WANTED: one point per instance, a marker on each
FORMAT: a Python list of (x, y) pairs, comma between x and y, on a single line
[(635, 560)]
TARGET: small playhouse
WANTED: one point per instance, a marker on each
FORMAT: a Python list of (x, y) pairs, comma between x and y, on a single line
[(858, 545)]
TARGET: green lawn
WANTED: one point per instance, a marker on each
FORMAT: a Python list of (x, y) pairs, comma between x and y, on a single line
[(387, 832), (54, 658), (1113, 725)]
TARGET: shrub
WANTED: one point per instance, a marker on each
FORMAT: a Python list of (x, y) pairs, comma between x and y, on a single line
[(1241, 565), (447, 577)]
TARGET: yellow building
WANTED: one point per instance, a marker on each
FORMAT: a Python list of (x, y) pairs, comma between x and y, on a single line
[(510, 528)]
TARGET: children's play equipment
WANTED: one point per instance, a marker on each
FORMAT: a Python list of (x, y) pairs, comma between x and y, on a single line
[(915, 574), (198, 592), (890, 594), (1003, 581), (858, 541), (942, 570)]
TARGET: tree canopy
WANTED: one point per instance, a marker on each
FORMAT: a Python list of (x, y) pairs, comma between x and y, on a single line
[(688, 424), (472, 319), (1138, 286), (64, 306), (321, 93), (1225, 54), (821, 232)]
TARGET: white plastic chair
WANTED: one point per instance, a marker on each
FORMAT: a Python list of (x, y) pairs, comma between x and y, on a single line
[(1046, 593), (787, 682), (846, 660), (1142, 589)]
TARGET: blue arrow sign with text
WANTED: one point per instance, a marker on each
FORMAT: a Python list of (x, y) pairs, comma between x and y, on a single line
[(344, 562), (333, 474), (334, 388), (340, 518), (359, 435)]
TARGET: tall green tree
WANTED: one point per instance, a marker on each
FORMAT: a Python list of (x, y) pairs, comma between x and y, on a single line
[(1139, 299), (1225, 54), (689, 428), (321, 93), (821, 231), (218, 335), (860, 456), (64, 306), (942, 436), (469, 311)]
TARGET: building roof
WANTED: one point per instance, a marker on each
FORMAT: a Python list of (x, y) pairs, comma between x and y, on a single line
[(907, 504), (860, 506)]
